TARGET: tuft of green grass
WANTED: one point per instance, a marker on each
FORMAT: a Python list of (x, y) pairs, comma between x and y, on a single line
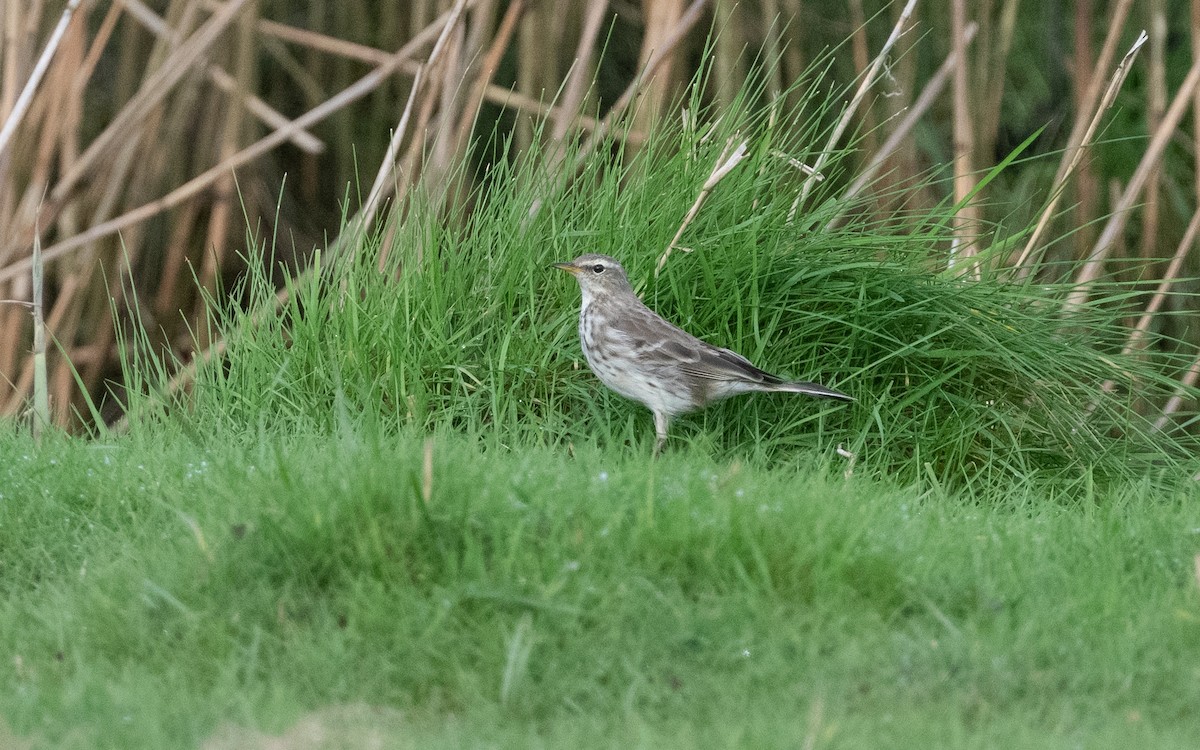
[(961, 383), (155, 591)]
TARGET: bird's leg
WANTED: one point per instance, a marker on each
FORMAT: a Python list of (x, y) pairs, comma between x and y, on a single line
[(661, 421)]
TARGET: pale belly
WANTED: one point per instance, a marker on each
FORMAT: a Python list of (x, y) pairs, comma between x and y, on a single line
[(638, 384)]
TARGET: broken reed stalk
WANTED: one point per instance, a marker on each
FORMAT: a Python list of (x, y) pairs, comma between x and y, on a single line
[(56, 321), (26, 98), (725, 164), (1120, 213), (848, 114), (1083, 128)]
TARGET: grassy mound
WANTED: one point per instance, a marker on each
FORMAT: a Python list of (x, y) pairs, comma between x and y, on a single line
[(959, 381)]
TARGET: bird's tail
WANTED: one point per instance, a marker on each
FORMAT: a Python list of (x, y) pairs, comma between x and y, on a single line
[(811, 389)]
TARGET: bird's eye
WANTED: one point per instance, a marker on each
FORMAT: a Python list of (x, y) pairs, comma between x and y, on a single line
[(598, 268)]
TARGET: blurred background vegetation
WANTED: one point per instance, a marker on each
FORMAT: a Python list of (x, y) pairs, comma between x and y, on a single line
[(160, 131)]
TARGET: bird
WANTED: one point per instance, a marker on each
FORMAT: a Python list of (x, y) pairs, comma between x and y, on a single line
[(638, 354)]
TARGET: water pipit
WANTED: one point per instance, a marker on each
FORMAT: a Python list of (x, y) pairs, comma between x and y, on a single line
[(643, 357)]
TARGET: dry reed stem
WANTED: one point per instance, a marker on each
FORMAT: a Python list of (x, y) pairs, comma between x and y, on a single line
[(414, 157), (491, 62), (1195, 26), (660, 18), (579, 76), (498, 95), (451, 74), (225, 202), (23, 101), (1087, 183), (1138, 334), (149, 20), (725, 164), (182, 226), (687, 20), (153, 91), (1189, 379), (773, 48), (56, 321), (860, 54), (994, 96), (933, 88), (386, 173), (12, 49), (1120, 214), (966, 218), (1156, 104), (186, 374), (346, 96), (1083, 127), (389, 167), (793, 55), (41, 392), (427, 472), (848, 114), (98, 45), (1181, 394)]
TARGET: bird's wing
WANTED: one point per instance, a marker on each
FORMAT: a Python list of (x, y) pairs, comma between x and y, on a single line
[(703, 360), (660, 342)]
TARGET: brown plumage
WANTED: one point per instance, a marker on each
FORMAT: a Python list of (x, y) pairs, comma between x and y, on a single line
[(641, 356)]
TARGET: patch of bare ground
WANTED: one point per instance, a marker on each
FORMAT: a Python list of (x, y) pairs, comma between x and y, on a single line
[(353, 725)]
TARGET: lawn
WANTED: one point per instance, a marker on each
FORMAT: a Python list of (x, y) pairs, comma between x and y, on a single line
[(165, 591)]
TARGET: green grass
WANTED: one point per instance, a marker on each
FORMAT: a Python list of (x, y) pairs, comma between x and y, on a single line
[(1010, 564), (969, 384), (154, 590)]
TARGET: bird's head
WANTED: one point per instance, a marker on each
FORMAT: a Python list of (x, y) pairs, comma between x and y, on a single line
[(598, 275)]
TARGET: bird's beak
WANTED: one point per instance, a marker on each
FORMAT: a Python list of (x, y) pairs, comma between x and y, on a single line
[(570, 268)]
